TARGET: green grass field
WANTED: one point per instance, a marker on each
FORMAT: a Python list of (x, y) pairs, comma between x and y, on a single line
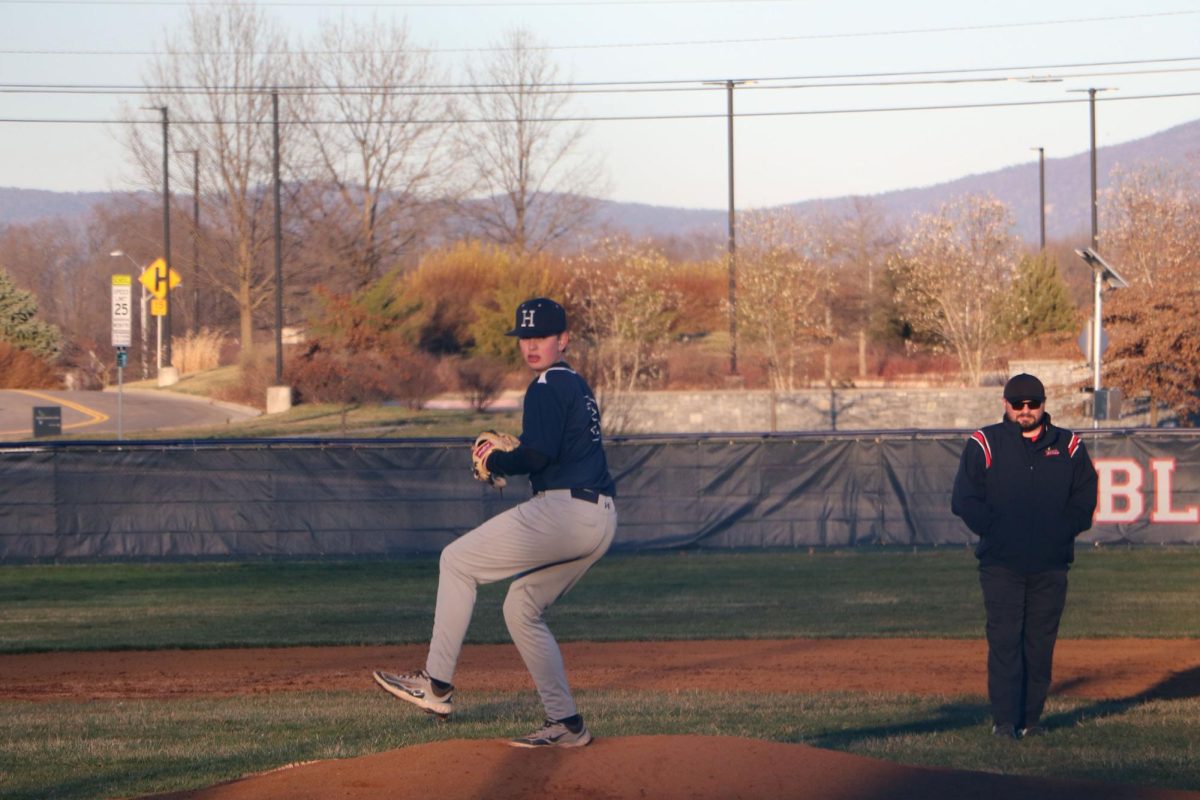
[(673, 595), (121, 748)]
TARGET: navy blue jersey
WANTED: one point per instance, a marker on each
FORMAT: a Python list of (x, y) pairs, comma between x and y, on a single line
[(562, 422)]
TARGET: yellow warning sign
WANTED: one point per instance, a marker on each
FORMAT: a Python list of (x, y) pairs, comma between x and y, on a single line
[(155, 278)]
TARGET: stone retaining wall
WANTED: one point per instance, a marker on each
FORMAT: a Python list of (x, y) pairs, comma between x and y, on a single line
[(886, 408)]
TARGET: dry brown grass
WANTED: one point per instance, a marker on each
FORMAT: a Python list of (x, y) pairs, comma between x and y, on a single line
[(197, 351)]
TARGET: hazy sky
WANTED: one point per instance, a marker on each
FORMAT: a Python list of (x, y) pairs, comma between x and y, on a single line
[(789, 146)]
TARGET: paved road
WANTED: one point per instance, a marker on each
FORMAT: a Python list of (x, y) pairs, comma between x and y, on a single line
[(94, 413)]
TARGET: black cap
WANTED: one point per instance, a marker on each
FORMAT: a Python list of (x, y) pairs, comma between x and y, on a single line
[(1024, 387), (538, 318)]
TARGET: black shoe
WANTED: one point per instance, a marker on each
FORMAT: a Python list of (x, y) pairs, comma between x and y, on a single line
[(1005, 731), (1032, 730)]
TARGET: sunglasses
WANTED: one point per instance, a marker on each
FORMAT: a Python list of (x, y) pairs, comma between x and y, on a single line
[(1017, 405)]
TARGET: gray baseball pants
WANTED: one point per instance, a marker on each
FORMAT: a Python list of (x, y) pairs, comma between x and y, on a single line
[(547, 543)]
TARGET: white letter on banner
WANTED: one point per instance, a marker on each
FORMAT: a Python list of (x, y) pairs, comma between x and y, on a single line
[(1163, 468), (1129, 489)]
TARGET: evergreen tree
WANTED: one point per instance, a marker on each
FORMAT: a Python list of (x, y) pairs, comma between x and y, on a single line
[(18, 326), (1039, 301)]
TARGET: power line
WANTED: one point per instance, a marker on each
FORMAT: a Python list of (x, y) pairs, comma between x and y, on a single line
[(614, 118), (620, 45), (829, 36), (446, 4), (619, 87)]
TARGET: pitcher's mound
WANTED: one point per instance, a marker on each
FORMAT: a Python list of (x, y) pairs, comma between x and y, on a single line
[(655, 767)]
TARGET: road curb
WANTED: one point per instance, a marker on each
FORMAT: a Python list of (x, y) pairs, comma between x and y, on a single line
[(249, 411)]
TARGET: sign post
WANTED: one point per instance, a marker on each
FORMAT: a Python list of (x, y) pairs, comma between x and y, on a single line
[(158, 280), (122, 337)]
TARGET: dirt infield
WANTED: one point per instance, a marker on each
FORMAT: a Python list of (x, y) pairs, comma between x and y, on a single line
[(652, 767), (665, 767), (1090, 668)]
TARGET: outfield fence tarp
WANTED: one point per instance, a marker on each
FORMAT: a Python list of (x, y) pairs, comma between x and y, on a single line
[(340, 498)]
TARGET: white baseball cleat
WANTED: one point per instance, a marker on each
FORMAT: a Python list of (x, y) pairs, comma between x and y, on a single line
[(556, 734), (418, 689)]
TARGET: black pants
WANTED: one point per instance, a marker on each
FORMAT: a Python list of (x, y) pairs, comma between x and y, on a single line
[(1023, 612)]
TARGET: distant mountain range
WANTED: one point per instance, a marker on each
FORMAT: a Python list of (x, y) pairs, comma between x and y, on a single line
[(21, 206), (1068, 189), (1067, 193)]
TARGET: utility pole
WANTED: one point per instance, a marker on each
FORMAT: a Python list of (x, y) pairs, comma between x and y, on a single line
[(278, 245), (732, 238), (1092, 117), (166, 231), (1042, 194), (195, 154)]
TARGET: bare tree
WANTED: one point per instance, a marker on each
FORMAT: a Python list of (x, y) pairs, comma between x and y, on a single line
[(1150, 222), (49, 258), (954, 270), (625, 310), (859, 243), (226, 57), (783, 289), (1153, 234), (373, 141), (535, 182)]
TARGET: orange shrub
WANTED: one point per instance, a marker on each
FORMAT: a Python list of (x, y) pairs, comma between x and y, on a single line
[(20, 369)]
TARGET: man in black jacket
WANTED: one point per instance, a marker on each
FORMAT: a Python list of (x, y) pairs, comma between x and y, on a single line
[(1027, 488)]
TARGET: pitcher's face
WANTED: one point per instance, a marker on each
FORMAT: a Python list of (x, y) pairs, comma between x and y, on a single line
[(540, 352)]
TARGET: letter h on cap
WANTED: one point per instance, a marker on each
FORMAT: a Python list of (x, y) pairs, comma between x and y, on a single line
[(527, 318)]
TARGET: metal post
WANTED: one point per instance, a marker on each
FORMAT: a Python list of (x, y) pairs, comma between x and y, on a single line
[(145, 335), (278, 247), (1096, 331), (120, 398)]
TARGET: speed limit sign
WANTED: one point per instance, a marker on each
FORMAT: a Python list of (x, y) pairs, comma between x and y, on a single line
[(122, 310)]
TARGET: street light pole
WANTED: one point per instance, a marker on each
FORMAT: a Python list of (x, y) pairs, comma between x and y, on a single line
[(732, 238), (1042, 193), (1096, 322), (1102, 272)]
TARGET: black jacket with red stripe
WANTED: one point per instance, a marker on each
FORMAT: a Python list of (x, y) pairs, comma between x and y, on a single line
[(1027, 500)]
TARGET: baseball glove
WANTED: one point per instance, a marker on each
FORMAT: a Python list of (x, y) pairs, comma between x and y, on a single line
[(485, 443)]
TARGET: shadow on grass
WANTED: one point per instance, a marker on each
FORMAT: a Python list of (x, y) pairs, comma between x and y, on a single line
[(948, 717), (1180, 686), (960, 716)]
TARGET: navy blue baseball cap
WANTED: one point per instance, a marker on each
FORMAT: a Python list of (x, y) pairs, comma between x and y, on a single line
[(1024, 387), (538, 318)]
